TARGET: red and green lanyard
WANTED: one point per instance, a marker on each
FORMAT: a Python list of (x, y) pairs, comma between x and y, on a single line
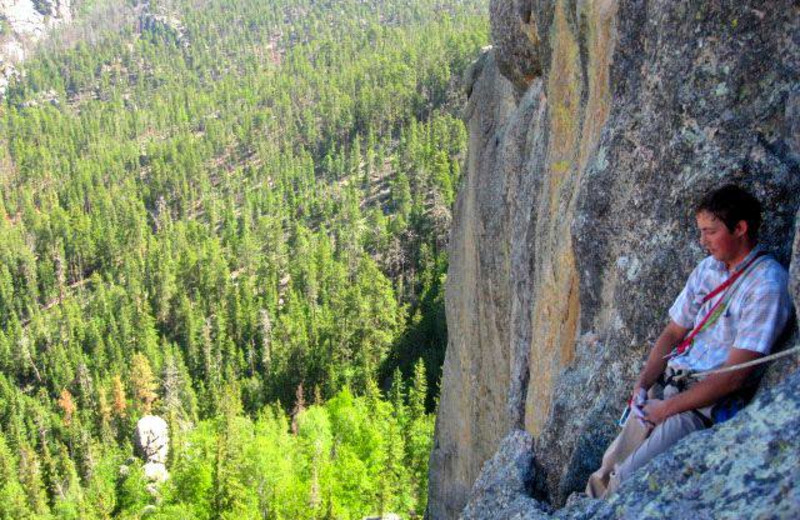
[(718, 308)]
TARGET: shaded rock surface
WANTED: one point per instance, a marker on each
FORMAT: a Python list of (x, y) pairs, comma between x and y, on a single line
[(594, 129), (504, 485)]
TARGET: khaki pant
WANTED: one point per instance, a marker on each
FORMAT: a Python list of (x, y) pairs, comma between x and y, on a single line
[(637, 444)]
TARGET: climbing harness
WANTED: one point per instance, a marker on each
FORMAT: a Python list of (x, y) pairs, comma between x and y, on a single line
[(728, 406)]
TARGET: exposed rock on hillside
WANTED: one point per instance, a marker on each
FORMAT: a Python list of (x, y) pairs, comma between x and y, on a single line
[(594, 128), (151, 441), (23, 23), (163, 23)]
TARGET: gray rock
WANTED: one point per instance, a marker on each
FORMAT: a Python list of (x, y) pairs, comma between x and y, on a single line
[(574, 229), (744, 468), (794, 269), (155, 472), (28, 22), (151, 439), (516, 26), (503, 487)]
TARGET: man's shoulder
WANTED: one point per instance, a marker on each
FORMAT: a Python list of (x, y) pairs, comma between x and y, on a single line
[(770, 273), (767, 281)]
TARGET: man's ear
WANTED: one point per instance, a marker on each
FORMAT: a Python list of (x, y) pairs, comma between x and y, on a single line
[(741, 228)]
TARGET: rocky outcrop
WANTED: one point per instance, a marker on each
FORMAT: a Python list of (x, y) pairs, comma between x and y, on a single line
[(594, 128), (31, 19), (504, 485), (24, 22), (151, 443), (162, 22), (744, 468)]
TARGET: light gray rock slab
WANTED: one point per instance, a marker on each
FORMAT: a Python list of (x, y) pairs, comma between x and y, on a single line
[(151, 439)]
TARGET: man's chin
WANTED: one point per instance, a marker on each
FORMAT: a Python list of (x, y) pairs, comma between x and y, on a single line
[(717, 257)]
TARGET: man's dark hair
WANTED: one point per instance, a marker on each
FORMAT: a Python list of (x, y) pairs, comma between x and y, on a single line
[(731, 204)]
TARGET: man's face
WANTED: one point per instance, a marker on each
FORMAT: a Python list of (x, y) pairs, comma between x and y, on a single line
[(721, 243)]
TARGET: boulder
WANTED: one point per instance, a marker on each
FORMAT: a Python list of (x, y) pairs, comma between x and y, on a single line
[(155, 472), (151, 439)]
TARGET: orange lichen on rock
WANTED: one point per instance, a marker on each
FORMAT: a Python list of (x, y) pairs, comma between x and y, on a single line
[(574, 132)]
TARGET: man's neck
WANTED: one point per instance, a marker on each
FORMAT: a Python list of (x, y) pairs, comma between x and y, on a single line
[(746, 250)]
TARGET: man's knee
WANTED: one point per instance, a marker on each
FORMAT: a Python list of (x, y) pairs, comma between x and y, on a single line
[(660, 440), (678, 426)]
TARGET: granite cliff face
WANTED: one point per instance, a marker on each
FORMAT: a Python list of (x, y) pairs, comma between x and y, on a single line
[(594, 128)]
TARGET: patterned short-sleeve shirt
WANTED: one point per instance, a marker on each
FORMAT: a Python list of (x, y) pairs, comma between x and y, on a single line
[(754, 318)]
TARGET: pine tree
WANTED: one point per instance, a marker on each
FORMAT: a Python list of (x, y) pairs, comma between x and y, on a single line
[(120, 402), (417, 394), (104, 417), (68, 493), (67, 405), (171, 388), (13, 503), (30, 477), (397, 395), (143, 384), (299, 407), (418, 436), (86, 391), (232, 499), (266, 342)]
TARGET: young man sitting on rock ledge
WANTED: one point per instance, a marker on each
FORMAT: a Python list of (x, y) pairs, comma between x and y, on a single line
[(733, 307)]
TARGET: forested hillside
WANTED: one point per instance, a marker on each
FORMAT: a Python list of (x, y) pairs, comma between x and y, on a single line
[(231, 214)]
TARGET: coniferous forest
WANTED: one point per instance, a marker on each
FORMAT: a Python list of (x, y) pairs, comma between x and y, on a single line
[(232, 214)]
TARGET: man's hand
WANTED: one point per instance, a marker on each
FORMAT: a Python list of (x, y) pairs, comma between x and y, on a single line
[(639, 396), (656, 412), (638, 399), (656, 363)]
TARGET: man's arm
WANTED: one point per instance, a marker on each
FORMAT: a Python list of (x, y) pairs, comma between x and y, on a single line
[(764, 316), (706, 392), (670, 336)]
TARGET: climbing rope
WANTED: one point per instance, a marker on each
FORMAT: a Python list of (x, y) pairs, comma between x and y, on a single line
[(733, 368)]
